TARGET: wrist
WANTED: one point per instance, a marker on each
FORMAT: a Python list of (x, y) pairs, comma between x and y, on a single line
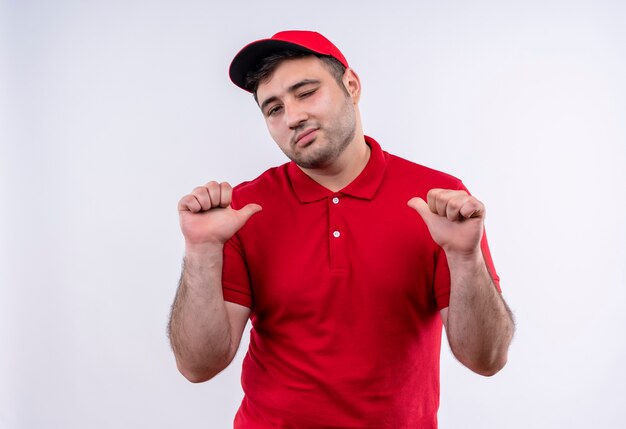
[(464, 266), (201, 250), (465, 258)]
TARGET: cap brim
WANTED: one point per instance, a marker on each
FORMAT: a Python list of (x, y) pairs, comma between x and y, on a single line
[(251, 55)]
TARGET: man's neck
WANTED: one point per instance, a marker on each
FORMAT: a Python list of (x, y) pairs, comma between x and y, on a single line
[(345, 169)]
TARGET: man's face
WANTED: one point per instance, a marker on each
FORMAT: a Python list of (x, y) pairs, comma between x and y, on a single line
[(309, 116)]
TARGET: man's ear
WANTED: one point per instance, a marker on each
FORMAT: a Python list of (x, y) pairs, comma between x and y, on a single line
[(352, 83)]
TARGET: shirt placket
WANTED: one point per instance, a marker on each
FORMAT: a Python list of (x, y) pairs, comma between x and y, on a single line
[(337, 233)]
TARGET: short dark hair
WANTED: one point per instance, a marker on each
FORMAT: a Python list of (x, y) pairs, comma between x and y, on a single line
[(266, 67)]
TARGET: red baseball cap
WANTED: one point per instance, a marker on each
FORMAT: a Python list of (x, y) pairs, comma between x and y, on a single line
[(299, 40)]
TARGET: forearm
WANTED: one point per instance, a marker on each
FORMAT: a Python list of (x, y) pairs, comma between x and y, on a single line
[(479, 323), (199, 327)]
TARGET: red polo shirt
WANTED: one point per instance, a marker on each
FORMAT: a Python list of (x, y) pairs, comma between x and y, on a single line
[(345, 290)]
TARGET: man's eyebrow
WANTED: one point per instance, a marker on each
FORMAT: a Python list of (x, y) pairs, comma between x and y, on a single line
[(291, 89), (302, 83)]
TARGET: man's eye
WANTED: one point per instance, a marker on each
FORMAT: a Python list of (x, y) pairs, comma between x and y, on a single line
[(273, 110), (307, 93)]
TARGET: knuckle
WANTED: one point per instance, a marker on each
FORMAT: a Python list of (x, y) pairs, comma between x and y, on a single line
[(474, 203), (454, 204), (188, 202), (199, 192), (433, 193)]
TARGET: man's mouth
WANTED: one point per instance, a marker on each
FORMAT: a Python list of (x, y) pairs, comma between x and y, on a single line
[(305, 137)]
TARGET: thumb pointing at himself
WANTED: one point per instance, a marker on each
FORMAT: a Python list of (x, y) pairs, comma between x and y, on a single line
[(421, 207), (453, 218), (247, 211)]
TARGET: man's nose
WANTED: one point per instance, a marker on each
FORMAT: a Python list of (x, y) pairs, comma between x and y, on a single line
[(295, 115)]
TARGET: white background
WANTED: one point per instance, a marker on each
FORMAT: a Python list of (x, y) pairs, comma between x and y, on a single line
[(111, 111)]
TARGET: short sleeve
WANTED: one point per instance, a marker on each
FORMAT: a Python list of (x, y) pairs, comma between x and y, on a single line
[(235, 275), (441, 280)]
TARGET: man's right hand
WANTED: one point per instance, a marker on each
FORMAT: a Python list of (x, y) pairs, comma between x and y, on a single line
[(206, 218)]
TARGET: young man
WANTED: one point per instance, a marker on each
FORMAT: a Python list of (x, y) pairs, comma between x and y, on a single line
[(347, 260)]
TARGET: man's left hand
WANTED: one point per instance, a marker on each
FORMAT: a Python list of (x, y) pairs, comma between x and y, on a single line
[(454, 219)]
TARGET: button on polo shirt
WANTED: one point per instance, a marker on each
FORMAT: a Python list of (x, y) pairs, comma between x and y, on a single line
[(345, 290)]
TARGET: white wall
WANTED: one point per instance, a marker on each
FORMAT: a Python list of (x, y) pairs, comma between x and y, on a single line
[(112, 110)]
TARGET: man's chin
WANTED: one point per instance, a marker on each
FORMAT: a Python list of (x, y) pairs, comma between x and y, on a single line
[(310, 162)]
